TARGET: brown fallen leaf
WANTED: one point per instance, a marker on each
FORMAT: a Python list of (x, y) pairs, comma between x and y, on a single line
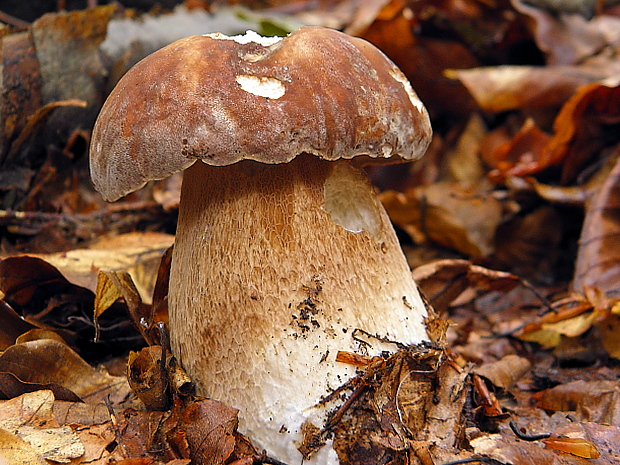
[(520, 156), (587, 440), (211, 429), (585, 125), (137, 253), (15, 451), (508, 87), (442, 281), (35, 424), (598, 259), (12, 325), (42, 296), (591, 401), (148, 377), (454, 217), (507, 450), (505, 372), (49, 361), (568, 38)]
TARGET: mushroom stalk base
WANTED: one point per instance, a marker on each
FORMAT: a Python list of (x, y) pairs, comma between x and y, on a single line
[(275, 269)]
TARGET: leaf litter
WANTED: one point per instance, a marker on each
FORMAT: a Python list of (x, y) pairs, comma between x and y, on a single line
[(510, 223)]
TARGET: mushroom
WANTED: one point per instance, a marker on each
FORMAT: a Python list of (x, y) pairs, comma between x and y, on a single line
[(283, 254)]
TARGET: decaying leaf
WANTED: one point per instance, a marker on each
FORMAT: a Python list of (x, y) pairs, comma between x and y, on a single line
[(454, 217), (598, 260), (15, 451), (42, 296), (442, 281), (35, 424), (148, 377), (137, 253), (575, 446), (590, 401), (504, 450), (49, 361), (505, 372)]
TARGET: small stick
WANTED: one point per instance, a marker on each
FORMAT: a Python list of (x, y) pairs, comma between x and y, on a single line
[(527, 437)]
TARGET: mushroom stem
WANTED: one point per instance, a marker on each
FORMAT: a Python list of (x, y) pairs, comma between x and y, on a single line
[(274, 268)]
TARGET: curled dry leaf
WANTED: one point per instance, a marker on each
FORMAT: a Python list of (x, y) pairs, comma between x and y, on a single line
[(12, 325), (29, 280), (505, 372), (598, 259), (520, 156), (442, 281), (11, 386), (148, 377), (48, 361), (45, 298), (586, 124)]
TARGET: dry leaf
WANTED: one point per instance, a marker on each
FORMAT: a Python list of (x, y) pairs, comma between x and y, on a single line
[(504, 450), (505, 372), (508, 87), (585, 125), (48, 361), (45, 298), (35, 424), (442, 281), (451, 216), (592, 401), (15, 451), (575, 446), (567, 38), (12, 325), (598, 259), (136, 253), (148, 377)]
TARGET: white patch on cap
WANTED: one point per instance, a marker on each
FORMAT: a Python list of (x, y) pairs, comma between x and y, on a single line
[(262, 86), (249, 36), (400, 77)]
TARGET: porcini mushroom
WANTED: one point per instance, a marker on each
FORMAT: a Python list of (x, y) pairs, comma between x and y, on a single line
[(283, 253)]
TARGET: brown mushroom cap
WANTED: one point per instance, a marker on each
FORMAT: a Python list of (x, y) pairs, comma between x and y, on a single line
[(225, 99)]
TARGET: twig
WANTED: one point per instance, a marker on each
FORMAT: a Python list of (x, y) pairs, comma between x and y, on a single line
[(13, 21), (484, 460), (36, 220), (527, 437), (117, 430)]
